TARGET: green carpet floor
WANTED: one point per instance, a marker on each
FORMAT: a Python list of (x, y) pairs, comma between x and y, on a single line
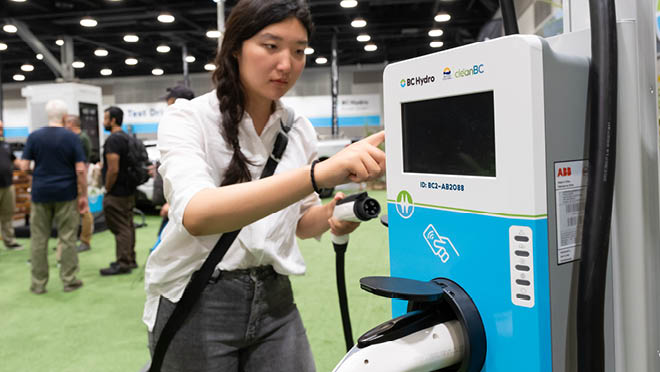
[(98, 327)]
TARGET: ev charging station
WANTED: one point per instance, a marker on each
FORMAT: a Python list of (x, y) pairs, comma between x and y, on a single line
[(470, 200), (487, 168)]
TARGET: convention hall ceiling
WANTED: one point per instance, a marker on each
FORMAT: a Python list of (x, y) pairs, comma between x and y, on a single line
[(399, 29)]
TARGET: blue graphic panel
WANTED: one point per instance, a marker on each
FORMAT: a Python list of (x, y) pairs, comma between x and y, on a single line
[(16, 132), (343, 121), (137, 128), (347, 121), (473, 250)]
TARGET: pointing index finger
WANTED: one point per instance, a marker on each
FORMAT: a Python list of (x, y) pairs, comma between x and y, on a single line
[(376, 139)]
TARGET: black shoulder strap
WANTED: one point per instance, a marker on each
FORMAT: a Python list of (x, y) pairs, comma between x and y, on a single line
[(202, 276), (280, 143)]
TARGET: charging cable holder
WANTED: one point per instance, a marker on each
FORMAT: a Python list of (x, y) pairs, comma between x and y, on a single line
[(433, 302)]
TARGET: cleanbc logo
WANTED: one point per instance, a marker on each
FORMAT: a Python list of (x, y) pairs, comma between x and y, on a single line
[(404, 204), (471, 71), (417, 81)]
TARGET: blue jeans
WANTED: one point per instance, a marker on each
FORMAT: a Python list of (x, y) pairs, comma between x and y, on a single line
[(245, 320)]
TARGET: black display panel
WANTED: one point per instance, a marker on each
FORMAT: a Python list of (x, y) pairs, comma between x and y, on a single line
[(451, 135)]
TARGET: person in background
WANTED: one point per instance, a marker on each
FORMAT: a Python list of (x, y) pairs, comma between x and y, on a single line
[(119, 198), (72, 123), (173, 93), (59, 192), (7, 194), (176, 92)]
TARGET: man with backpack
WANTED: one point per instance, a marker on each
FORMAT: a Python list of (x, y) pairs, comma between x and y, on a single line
[(122, 172)]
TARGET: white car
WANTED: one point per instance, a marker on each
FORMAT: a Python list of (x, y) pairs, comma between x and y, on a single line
[(147, 188)]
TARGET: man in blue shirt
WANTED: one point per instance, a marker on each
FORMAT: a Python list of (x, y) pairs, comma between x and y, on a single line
[(59, 172)]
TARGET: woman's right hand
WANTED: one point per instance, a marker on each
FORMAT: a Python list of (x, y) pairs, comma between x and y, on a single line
[(358, 162)]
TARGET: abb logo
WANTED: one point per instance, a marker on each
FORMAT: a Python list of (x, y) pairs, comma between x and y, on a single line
[(564, 172)]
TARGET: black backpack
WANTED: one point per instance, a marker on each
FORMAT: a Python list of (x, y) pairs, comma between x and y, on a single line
[(137, 162)]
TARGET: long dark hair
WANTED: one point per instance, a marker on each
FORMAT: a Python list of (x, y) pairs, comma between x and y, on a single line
[(247, 18)]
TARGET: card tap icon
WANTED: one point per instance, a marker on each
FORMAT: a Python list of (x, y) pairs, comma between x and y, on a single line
[(439, 244)]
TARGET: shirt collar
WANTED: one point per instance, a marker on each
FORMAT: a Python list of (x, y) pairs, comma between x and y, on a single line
[(273, 120)]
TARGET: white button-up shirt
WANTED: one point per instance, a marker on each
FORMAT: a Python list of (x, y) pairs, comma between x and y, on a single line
[(194, 157)]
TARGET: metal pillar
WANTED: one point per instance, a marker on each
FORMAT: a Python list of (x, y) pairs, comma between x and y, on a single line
[(636, 220), (221, 21), (1, 95), (66, 59), (184, 54), (38, 47), (334, 80)]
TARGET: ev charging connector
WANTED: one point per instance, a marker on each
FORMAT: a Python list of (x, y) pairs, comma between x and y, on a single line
[(355, 208)]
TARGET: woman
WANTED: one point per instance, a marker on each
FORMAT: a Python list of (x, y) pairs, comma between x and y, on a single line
[(245, 320)]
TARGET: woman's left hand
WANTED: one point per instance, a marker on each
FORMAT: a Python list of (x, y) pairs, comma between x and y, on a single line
[(338, 227)]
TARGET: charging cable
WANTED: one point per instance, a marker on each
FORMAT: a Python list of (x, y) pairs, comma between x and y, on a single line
[(355, 208)]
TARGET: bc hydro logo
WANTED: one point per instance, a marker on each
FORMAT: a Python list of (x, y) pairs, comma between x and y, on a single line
[(417, 81), (404, 204)]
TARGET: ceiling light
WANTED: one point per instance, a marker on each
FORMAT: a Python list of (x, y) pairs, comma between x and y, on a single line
[(348, 3), (19, 77), (359, 22), (130, 38), (213, 34), (157, 71), (9, 28), (363, 38), (78, 64), (190, 59), (309, 51), (19, 1), (3, 46), (40, 56), (165, 18), (131, 61), (106, 72), (370, 47), (436, 44), (163, 49), (435, 32), (321, 60), (27, 67), (88, 22), (100, 52), (209, 67), (442, 17), (59, 42)]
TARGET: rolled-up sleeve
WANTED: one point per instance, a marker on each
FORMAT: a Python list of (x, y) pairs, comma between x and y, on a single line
[(310, 145), (184, 164)]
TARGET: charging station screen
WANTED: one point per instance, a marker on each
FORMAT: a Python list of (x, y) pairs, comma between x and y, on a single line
[(451, 135)]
